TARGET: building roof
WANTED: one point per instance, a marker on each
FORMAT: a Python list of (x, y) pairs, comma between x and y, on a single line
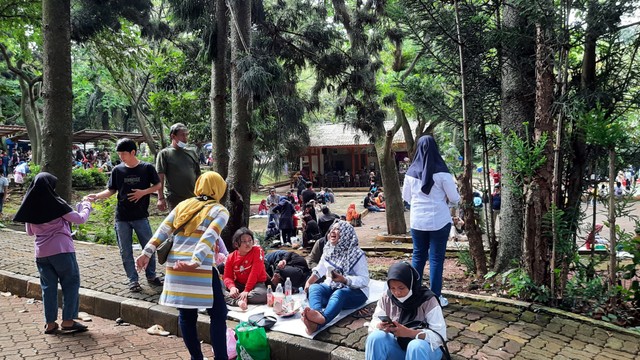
[(82, 136), (10, 130), (336, 135)]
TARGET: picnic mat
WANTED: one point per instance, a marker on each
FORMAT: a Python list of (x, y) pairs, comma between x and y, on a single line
[(293, 325)]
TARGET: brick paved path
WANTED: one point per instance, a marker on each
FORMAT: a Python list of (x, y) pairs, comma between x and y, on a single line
[(21, 337), (476, 329)]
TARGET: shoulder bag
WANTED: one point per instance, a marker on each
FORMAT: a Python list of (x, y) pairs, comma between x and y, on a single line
[(163, 250), (417, 325)]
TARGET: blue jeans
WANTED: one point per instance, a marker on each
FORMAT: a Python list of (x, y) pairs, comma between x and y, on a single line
[(321, 296), (63, 269), (217, 329), (432, 245), (383, 346), (124, 235)]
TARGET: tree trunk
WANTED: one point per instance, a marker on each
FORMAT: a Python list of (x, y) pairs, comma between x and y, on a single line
[(613, 265), (474, 233), (396, 224), (218, 98), (536, 238), (518, 99), (242, 139), (29, 115), (57, 93)]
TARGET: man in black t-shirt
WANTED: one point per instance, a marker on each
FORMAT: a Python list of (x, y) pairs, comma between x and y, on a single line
[(133, 180), (308, 194)]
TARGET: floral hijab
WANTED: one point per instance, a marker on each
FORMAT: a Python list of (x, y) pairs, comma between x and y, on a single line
[(346, 253)]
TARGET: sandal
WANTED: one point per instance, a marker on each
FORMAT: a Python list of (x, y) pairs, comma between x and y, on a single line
[(157, 330), (53, 330), (155, 281), (363, 313), (135, 287), (75, 328), (83, 316)]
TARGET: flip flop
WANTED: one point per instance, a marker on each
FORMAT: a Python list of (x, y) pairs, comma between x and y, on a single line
[(83, 316), (75, 328), (157, 330), (53, 330)]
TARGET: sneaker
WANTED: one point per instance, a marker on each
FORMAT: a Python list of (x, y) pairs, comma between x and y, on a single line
[(443, 301)]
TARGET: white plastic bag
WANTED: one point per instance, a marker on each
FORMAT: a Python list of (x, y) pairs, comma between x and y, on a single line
[(231, 344)]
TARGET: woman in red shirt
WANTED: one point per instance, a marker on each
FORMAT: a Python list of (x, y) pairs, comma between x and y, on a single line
[(244, 272)]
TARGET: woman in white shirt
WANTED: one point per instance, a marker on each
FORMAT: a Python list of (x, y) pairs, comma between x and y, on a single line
[(347, 282), (405, 302), (430, 189)]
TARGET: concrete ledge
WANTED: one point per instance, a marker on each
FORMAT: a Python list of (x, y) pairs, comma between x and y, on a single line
[(584, 319), (345, 353), (34, 290), (303, 348), (165, 316), (136, 312), (108, 306), (88, 300), (489, 299), (14, 283)]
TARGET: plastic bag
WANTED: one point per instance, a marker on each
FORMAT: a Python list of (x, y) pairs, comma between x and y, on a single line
[(252, 342), (231, 344)]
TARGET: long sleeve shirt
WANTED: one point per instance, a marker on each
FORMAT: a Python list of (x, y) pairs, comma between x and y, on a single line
[(430, 212), (430, 311), (357, 278), (248, 269), (54, 237)]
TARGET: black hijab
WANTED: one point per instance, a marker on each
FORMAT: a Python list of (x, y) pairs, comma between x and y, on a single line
[(406, 274), (41, 203), (426, 162)]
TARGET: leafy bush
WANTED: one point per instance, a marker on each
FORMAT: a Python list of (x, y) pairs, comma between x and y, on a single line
[(107, 210), (81, 178), (33, 171), (465, 259), (521, 286), (99, 178)]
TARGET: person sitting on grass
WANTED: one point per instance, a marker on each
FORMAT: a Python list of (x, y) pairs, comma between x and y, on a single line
[(347, 279), (244, 272)]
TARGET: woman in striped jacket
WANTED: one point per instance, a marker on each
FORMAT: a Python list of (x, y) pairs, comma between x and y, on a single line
[(191, 280)]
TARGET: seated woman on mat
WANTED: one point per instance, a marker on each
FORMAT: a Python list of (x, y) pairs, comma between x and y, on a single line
[(406, 301), (244, 272), (347, 282)]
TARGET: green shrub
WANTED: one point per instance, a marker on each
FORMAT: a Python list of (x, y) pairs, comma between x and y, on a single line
[(465, 259), (33, 171), (81, 178), (99, 178), (107, 212)]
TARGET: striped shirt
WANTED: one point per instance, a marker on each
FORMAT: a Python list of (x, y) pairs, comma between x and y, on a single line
[(190, 289)]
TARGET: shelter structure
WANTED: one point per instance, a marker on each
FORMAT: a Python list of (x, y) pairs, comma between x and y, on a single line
[(341, 156)]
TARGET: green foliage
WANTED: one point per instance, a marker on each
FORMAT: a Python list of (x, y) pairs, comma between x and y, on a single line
[(525, 157), (521, 286), (33, 171), (465, 259), (87, 178), (107, 212)]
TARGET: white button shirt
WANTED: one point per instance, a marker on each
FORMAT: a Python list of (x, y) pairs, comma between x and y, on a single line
[(430, 212)]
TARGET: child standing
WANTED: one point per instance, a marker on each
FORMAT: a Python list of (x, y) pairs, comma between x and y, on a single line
[(47, 216)]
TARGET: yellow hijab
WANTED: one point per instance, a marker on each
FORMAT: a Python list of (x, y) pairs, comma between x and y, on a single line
[(210, 188)]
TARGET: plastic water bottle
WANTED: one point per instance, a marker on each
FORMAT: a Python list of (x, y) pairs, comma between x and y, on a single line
[(269, 296), (279, 289), (287, 288), (303, 298)]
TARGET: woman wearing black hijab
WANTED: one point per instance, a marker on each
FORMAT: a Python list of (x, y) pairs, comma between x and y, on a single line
[(48, 217), (406, 301), (430, 189)]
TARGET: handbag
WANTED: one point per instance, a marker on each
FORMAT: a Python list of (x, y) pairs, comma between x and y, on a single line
[(418, 325), (252, 342), (163, 250), (263, 321)]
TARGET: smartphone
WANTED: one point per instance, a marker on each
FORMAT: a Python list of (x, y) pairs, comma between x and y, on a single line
[(334, 274), (385, 319)]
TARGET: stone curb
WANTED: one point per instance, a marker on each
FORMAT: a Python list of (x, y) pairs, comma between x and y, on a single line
[(144, 314), (539, 308)]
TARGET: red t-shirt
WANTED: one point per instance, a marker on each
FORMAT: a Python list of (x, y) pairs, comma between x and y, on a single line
[(248, 269)]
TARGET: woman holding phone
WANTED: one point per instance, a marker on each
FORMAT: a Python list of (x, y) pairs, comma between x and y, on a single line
[(390, 334), (347, 282)]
